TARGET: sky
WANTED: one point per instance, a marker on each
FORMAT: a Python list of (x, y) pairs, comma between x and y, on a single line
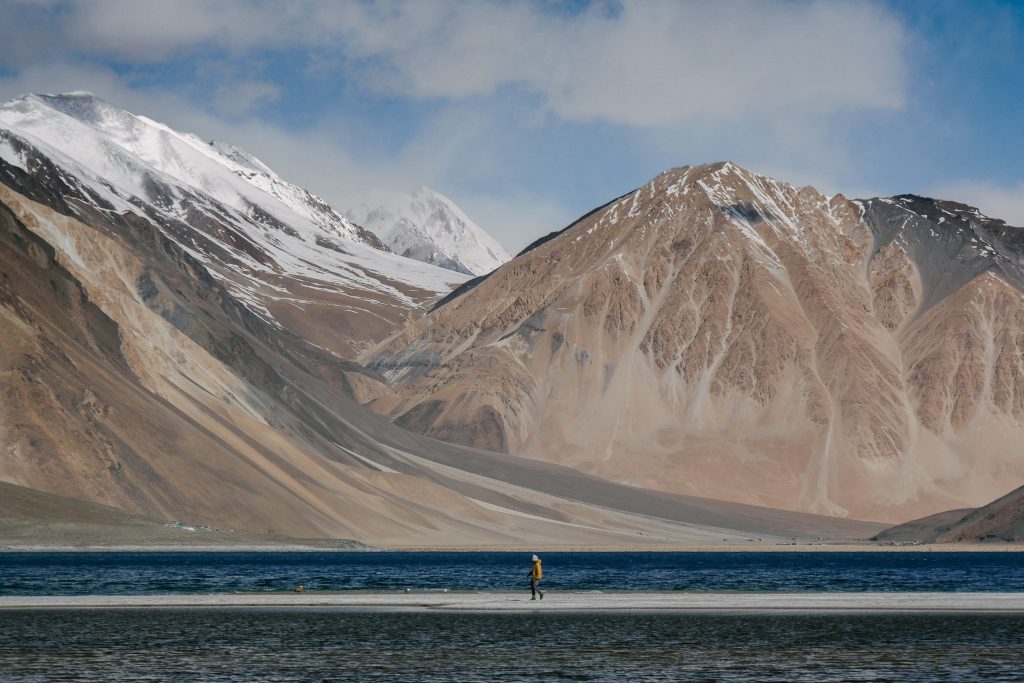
[(529, 114)]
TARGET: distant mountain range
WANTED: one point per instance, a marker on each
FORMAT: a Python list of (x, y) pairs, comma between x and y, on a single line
[(177, 329), (430, 227), (715, 357)]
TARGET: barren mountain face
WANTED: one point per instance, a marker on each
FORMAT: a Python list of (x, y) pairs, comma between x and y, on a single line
[(720, 333), (174, 323)]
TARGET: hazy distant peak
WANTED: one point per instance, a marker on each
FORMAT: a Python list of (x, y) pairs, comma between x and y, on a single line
[(428, 226)]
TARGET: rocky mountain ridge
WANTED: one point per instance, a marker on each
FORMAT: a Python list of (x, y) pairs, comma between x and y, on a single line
[(721, 332)]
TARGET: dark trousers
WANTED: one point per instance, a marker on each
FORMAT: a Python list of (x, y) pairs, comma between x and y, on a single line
[(535, 587)]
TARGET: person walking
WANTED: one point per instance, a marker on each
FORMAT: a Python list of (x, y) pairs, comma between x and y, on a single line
[(536, 574)]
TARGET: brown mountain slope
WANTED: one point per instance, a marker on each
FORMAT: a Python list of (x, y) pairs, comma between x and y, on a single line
[(719, 333), (1001, 521), (30, 518)]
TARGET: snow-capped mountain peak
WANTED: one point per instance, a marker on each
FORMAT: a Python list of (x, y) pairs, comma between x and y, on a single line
[(428, 226), (110, 142), (271, 242)]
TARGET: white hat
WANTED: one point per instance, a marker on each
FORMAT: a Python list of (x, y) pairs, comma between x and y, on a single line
[(536, 559)]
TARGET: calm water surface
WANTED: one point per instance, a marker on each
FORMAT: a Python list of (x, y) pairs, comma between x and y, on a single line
[(203, 572), (333, 645)]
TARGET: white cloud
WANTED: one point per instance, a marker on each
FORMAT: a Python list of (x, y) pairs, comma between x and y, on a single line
[(242, 97), (997, 201), (153, 30), (663, 63), (650, 63)]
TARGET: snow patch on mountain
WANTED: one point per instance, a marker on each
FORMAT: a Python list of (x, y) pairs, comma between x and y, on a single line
[(218, 169), (223, 205), (430, 227)]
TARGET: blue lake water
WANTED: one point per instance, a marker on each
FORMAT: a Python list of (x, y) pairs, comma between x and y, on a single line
[(77, 573)]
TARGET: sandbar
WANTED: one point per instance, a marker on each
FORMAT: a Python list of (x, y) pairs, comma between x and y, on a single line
[(554, 602)]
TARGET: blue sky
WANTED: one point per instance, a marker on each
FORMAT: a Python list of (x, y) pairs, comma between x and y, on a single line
[(529, 114)]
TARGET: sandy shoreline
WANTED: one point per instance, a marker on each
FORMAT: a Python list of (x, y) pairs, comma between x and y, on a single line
[(556, 601), (730, 548), (734, 548)]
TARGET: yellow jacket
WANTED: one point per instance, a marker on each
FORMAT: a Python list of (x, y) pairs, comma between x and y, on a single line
[(537, 572)]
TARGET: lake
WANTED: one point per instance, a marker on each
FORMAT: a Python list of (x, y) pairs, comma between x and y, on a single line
[(81, 573), (331, 644)]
